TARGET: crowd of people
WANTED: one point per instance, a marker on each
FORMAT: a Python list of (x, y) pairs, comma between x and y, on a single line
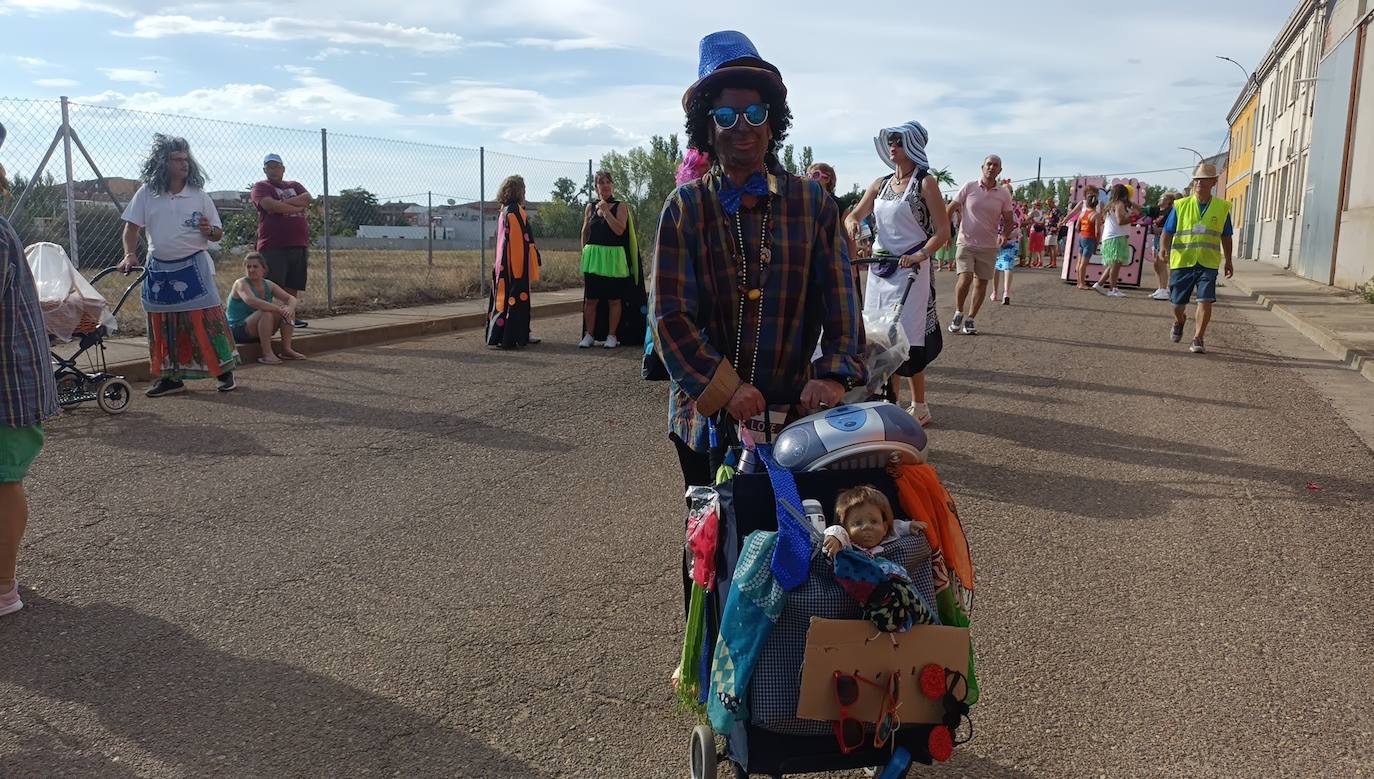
[(756, 293)]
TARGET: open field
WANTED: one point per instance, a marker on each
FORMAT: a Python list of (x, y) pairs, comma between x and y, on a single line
[(369, 279)]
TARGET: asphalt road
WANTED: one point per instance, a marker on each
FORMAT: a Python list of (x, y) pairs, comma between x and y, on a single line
[(431, 559)]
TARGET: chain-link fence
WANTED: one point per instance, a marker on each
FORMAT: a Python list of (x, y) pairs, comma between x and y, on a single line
[(393, 223)]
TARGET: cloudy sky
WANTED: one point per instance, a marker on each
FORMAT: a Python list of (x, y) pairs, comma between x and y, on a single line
[(1088, 87)]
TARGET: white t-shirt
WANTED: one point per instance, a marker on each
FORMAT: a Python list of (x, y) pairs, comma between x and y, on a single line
[(1112, 228), (171, 220)]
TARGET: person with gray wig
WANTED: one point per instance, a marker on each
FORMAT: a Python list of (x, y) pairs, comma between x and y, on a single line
[(188, 334)]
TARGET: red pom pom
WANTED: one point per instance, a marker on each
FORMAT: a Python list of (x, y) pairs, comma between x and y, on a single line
[(940, 743), (933, 682)]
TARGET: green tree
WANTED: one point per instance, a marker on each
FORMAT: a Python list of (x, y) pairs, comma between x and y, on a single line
[(354, 207), (644, 178), (566, 191), (943, 177), (1153, 192), (808, 159), (789, 160), (558, 218), (43, 205), (240, 229)]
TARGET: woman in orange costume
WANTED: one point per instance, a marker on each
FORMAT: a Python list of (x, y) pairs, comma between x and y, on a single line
[(516, 267)]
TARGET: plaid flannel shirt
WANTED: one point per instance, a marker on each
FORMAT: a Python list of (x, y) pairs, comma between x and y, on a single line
[(808, 295), (28, 394)]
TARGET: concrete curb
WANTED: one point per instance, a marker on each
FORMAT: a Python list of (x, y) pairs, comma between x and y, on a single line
[(319, 342), (1358, 359)]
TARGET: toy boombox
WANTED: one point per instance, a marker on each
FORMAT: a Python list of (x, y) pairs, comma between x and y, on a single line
[(865, 435)]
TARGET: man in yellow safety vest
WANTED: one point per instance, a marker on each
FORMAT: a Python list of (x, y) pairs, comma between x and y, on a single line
[(1197, 236)]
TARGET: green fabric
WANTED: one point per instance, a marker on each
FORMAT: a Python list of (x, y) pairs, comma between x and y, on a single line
[(606, 261), (19, 446), (1197, 240), (237, 311), (634, 242), (951, 613), (1116, 251), (689, 682)]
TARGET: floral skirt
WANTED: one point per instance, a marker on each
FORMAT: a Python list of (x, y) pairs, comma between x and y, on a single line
[(191, 344)]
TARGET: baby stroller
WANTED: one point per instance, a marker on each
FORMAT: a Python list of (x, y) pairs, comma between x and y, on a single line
[(816, 458), (74, 310)]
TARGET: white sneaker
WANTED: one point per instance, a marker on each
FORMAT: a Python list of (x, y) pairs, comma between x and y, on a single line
[(1099, 288), (1160, 294), (586, 342), (956, 322), (1115, 293), (920, 412), (611, 342)]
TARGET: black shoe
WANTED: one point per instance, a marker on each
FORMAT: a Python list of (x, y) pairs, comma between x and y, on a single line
[(227, 383), (165, 387), (1176, 334), (300, 323)]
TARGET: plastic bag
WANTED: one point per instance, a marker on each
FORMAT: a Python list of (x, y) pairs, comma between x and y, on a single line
[(886, 347), (64, 295), (703, 534)]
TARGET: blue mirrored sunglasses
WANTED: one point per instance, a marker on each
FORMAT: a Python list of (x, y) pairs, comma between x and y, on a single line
[(727, 117)]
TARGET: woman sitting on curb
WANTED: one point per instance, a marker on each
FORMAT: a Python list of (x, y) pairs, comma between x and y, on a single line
[(254, 315)]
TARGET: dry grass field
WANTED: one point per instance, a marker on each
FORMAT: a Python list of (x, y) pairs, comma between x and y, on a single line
[(369, 279)]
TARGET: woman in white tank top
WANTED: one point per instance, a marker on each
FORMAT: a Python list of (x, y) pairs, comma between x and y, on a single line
[(912, 225)]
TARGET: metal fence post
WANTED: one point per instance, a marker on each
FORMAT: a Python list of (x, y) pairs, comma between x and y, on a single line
[(591, 184), (429, 219), (482, 217), (75, 253), (328, 259)]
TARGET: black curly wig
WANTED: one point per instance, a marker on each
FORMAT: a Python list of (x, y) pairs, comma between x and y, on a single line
[(699, 122)]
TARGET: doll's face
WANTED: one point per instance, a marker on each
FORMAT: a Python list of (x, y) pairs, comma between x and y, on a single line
[(866, 525)]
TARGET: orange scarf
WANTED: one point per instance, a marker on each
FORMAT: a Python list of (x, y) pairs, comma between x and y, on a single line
[(924, 498)]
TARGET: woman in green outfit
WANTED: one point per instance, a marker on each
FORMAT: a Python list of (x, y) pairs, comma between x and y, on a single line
[(1122, 214), (605, 262)]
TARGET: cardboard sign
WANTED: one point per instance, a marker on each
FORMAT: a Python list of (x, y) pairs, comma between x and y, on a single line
[(855, 645)]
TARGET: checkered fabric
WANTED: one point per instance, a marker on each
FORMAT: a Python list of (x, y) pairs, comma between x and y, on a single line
[(776, 683)]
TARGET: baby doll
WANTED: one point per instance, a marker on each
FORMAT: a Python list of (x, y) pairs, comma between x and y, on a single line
[(865, 521)]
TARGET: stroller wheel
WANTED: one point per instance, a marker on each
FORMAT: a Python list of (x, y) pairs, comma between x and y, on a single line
[(704, 759), (114, 395)]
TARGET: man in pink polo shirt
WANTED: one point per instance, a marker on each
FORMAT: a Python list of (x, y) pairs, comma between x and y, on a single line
[(985, 210)]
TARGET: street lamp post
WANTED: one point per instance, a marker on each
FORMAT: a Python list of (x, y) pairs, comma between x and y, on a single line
[(1200, 158), (1237, 64)]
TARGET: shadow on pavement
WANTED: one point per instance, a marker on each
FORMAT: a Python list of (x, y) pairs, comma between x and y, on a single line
[(1099, 444), (142, 431), (982, 379), (386, 416), (212, 713), (1180, 350)]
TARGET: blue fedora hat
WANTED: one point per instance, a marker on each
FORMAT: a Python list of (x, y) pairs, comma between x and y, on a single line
[(730, 55)]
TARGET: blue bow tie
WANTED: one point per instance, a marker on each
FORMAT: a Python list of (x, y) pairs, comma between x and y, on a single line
[(730, 195)]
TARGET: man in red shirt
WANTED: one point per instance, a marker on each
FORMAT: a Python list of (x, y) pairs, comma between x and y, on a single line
[(283, 229)]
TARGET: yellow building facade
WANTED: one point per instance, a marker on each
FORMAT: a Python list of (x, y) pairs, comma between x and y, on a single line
[(1244, 122)]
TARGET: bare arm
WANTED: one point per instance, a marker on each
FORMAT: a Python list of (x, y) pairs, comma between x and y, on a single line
[(586, 222), (244, 292), (1226, 246), (861, 211), (935, 203), (618, 218), (279, 293), (1166, 242), (275, 206), (302, 200), (130, 239)]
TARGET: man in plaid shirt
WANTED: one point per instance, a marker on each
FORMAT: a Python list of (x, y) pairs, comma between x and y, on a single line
[(27, 396), (748, 273)]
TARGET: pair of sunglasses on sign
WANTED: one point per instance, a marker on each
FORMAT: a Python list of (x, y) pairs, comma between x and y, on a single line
[(727, 116), (936, 683)]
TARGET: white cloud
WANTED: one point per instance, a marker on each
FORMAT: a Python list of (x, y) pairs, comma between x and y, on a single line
[(62, 6), (31, 63), (54, 83), (568, 44), (331, 51), (575, 131), (313, 100), (288, 29), (147, 78)]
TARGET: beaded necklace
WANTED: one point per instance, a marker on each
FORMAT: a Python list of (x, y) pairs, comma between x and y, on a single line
[(750, 293)]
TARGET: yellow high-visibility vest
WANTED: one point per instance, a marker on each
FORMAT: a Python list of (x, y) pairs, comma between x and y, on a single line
[(1197, 238)]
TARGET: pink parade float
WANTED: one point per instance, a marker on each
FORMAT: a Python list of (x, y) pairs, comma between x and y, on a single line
[(1141, 252)]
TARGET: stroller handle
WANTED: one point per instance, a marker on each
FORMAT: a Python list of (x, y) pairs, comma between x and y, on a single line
[(115, 268)]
